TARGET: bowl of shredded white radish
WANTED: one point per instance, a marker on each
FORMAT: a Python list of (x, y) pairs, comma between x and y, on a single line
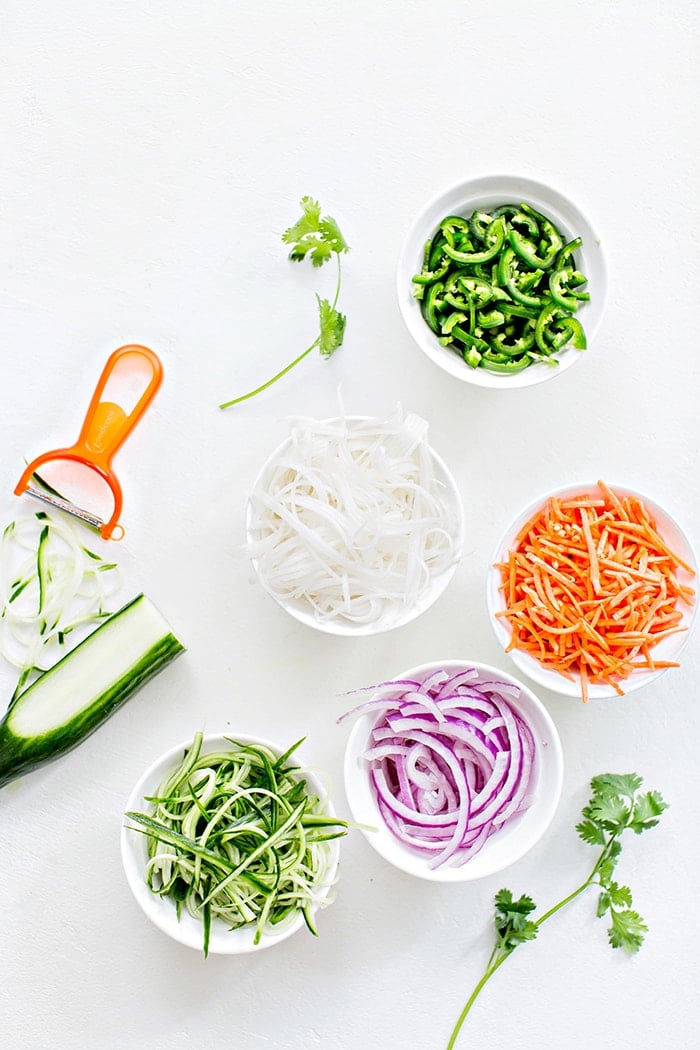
[(453, 769), (355, 524)]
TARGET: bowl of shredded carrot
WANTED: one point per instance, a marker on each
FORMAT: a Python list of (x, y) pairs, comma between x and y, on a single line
[(592, 590)]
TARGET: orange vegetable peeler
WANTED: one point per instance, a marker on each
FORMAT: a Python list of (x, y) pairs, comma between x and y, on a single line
[(134, 373)]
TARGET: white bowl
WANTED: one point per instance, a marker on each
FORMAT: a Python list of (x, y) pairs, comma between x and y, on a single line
[(303, 611), (160, 910), (486, 192), (667, 649), (507, 845)]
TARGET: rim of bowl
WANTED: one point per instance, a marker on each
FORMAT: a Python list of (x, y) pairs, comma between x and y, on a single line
[(435, 591), (670, 529), (161, 911), (488, 190), (500, 850)]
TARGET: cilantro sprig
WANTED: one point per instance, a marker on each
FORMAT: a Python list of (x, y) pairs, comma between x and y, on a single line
[(617, 805), (316, 237)]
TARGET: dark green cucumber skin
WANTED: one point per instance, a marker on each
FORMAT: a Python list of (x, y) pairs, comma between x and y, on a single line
[(20, 755)]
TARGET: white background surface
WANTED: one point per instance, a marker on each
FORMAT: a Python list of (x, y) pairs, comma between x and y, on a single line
[(151, 156)]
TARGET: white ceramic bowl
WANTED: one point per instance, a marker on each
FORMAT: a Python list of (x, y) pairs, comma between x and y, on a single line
[(668, 649), (304, 612), (160, 910), (504, 847), (487, 192)]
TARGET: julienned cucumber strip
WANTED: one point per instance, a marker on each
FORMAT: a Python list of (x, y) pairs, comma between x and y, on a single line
[(74, 697)]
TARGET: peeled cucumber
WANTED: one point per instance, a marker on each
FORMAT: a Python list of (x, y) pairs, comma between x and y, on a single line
[(74, 697)]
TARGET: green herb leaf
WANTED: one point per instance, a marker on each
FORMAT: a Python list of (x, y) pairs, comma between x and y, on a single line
[(311, 235), (620, 896), (603, 904), (511, 919), (332, 325), (591, 832), (627, 931), (331, 234), (308, 223), (512, 911), (609, 784), (646, 812), (610, 811)]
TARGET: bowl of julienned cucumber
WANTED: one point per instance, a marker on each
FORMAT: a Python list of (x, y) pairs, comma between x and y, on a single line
[(230, 844)]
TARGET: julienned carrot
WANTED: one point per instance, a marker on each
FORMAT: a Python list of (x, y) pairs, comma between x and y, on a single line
[(590, 587)]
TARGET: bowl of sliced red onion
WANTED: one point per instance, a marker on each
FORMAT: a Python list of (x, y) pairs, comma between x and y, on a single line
[(453, 769), (354, 525)]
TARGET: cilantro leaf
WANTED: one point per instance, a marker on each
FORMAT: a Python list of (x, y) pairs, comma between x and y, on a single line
[(620, 896), (591, 832), (315, 236), (319, 249), (308, 223), (627, 931), (646, 811), (330, 230), (511, 919), (607, 784), (610, 811), (513, 910), (332, 324)]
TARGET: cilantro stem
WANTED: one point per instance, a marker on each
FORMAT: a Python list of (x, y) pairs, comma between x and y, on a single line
[(337, 283), (487, 975), (283, 372), (590, 881)]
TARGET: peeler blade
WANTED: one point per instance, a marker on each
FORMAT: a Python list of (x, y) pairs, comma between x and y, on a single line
[(67, 506)]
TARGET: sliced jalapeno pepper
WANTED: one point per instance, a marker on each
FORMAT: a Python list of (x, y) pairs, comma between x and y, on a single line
[(490, 319), (543, 336), (428, 276), (472, 356), (519, 345), (431, 304), (470, 340), (505, 367), (494, 238), (558, 286), (576, 335), (506, 274), (564, 257), (478, 223), (527, 250)]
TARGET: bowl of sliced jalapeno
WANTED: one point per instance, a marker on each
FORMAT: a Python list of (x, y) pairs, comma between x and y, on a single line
[(502, 281)]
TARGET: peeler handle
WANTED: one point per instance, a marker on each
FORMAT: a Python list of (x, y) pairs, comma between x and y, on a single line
[(133, 370)]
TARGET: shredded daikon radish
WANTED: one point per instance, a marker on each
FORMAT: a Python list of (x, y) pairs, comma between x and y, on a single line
[(354, 519), (51, 586)]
